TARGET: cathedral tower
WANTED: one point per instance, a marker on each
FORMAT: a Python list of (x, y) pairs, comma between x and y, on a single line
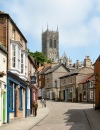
[(50, 44)]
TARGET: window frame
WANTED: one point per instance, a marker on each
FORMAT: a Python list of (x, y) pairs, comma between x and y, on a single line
[(20, 99), (50, 43), (22, 63), (11, 97), (55, 45), (15, 56)]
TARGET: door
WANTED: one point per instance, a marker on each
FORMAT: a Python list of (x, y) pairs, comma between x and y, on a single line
[(64, 94), (80, 97)]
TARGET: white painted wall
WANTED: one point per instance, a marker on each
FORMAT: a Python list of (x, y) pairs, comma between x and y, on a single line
[(3, 65)]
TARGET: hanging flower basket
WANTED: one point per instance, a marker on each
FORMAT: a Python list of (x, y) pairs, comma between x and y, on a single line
[(2, 74)]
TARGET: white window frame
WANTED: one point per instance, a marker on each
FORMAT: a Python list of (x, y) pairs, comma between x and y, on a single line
[(22, 72), (17, 56), (13, 34), (13, 56), (91, 84), (26, 66), (91, 94)]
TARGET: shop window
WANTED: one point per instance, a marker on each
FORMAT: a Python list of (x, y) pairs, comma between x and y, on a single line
[(11, 97), (20, 99)]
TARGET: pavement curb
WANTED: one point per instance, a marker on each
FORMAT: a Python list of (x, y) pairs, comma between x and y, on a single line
[(40, 120), (90, 124)]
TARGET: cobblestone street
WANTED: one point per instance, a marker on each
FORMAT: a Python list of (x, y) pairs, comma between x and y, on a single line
[(65, 116)]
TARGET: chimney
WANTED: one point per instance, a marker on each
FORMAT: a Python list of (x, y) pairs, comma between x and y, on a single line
[(87, 61), (77, 64)]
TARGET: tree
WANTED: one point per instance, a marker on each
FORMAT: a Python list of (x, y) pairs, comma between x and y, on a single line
[(39, 57)]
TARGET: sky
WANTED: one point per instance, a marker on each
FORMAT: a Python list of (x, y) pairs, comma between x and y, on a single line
[(78, 23)]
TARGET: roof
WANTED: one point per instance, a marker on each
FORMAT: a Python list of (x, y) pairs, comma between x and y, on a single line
[(76, 71), (92, 78), (32, 60), (73, 72), (44, 70), (40, 68), (8, 16), (71, 67), (56, 67), (86, 78)]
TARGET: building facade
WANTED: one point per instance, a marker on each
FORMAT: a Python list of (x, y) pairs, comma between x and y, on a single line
[(32, 89), (86, 92), (50, 45), (97, 83), (52, 81), (17, 65), (3, 85), (41, 81), (69, 83)]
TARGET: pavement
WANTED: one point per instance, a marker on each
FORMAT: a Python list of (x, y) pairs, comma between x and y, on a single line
[(93, 117), (29, 122)]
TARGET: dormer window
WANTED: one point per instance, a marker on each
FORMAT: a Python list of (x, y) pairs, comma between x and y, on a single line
[(21, 41), (13, 34)]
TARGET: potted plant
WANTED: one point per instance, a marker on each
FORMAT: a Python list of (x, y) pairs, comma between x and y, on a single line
[(2, 74)]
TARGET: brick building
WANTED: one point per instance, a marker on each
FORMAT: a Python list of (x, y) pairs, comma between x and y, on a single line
[(97, 83), (17, 64)]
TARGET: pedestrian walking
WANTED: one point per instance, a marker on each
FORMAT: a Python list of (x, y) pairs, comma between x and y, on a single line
[(42, 101), (35, 107)]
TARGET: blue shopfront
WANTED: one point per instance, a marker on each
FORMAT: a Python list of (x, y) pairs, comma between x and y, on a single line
[(16, 97)]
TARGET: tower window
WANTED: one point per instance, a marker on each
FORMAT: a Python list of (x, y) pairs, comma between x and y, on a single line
[(51, 43), (54, 43)]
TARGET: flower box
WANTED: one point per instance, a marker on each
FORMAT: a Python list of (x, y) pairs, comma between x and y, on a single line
[(2, 74)]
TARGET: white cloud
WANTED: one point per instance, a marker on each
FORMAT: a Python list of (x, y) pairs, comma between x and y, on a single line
[(77, 20)]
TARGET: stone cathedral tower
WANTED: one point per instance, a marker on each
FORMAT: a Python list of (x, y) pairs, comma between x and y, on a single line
[(50, 44)]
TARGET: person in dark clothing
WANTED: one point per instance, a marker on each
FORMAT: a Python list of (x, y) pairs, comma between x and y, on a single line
[(35, 107)]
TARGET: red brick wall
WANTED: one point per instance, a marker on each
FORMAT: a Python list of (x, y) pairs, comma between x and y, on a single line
[(3, 28), (97, 86)]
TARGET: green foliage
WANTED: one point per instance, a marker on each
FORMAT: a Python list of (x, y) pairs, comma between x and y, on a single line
[(49, 61), (39, 57)]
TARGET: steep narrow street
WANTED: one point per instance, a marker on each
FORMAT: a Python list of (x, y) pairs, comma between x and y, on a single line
[(65, 116)]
